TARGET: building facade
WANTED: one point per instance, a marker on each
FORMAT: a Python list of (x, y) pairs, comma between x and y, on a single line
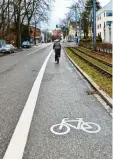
[(35, 34), (104, 22)]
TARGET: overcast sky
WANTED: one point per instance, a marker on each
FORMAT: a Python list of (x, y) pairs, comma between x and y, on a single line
[(60, 8)]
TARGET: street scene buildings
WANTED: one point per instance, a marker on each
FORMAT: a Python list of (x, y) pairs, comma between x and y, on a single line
[(104, 19)]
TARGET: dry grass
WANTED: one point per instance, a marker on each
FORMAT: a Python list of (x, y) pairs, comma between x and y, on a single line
[(101, 80), (1, 54)]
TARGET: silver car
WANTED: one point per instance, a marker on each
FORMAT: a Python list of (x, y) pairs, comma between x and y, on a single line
[(7, 48)]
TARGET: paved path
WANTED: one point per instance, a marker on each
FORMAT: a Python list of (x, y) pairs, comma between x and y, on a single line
[(63, 93)]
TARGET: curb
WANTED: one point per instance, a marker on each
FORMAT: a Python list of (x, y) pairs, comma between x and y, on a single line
[(20, 50), (101, 92)]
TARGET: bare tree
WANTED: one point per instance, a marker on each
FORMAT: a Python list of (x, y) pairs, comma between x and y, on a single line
[(20, 12)]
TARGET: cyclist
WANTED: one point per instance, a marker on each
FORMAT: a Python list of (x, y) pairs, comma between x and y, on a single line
[(57, 48)]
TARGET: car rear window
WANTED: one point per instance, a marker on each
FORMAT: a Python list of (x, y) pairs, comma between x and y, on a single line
[(25, 43), (7, 46)]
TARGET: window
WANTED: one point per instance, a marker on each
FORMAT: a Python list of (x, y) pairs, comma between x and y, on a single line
[(109, 22), (109, 14), (104, 14), (100, 17), (100, 25)]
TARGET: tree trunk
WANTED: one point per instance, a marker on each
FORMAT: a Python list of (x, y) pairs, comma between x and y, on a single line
[(19, 28), (35, 35)]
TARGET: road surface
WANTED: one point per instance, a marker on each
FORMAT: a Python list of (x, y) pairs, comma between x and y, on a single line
[(53, 92)]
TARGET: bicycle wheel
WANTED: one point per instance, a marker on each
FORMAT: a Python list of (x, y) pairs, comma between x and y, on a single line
[(55, 129), (57, 59), (90, 127)]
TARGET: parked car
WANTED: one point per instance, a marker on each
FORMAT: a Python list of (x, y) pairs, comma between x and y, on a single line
[(7, 48), (26, 44)]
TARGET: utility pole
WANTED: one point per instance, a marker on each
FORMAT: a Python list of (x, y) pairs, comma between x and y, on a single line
[(80, 26), (75, 19), (94, 23), (79, 14)]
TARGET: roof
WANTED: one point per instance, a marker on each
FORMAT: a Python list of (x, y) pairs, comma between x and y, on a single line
[(106, 7), (34, 27)]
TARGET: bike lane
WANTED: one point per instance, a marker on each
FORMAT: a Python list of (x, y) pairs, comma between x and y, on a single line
[(63, 94)]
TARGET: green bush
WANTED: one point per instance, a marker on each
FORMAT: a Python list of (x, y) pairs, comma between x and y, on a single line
[(90, 40)]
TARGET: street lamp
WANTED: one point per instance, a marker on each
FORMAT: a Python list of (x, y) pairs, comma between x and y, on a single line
[(94, 23), (104, 34)]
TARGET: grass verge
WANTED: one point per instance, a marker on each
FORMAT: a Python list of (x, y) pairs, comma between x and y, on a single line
[(101, 80), (1, 54)]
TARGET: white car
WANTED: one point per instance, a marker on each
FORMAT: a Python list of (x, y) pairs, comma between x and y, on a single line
[(7, 48)]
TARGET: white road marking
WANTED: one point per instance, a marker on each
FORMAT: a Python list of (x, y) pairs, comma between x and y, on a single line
[(37, 50), (88, 127), (18, 141)]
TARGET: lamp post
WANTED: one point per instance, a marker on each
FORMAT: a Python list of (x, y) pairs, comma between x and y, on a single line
[(94, 23), (104, 34)]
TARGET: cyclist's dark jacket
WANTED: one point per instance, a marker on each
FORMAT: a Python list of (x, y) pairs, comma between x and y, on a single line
[(57, 46)]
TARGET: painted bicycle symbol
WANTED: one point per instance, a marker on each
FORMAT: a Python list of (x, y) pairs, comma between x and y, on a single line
[(65, 126)]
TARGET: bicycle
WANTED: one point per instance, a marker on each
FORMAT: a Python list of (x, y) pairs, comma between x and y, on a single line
[(57, 58), (57, 55), (85, 126)]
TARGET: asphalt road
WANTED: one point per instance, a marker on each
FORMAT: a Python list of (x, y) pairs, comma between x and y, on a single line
[(63, 93)]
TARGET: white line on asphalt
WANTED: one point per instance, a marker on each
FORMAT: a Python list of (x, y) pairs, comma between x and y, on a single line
[(32, 52), (18, 141), (37, 50)]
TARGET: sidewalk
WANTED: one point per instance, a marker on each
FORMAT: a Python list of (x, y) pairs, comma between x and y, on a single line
[(64, 93)]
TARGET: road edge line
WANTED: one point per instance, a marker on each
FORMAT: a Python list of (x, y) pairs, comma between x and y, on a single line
[(18, 141), (37, 50)]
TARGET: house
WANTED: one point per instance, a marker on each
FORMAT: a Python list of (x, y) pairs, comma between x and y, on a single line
[(35, 33), (73, 32), (104, 22)]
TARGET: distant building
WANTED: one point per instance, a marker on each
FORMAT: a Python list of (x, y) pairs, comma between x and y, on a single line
[(104, 22), (56, 34), (35, 33), (73, 32)]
